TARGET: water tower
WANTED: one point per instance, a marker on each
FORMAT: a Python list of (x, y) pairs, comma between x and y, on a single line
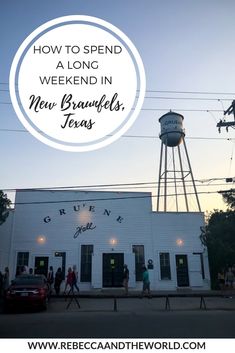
[(175, 173)]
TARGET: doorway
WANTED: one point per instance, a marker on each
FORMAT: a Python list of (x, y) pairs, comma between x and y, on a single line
[(182, 270), (41, 265), (113, 270)]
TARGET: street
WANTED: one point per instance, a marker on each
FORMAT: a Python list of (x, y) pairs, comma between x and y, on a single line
[(134, 318)]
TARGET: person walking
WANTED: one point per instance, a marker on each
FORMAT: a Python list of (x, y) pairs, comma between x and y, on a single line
[(5, 281), (1, 283), (50, 278), (146, 282), (58, 280), (69, 281), (221, 279), (125, 278), (74, 278), (229, 278)]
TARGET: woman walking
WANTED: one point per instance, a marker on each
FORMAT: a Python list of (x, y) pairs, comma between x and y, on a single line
[(58, 280), (146, 282)]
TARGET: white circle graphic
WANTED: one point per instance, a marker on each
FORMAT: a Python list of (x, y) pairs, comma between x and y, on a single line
[(74, 83)]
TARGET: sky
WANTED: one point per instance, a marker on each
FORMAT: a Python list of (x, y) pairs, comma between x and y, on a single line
[(185, 45)]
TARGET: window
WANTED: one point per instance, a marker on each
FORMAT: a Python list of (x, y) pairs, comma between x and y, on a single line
[(138, 250), (86, 261), (62, 254), (165, 267), (22, 259), (202, 263)]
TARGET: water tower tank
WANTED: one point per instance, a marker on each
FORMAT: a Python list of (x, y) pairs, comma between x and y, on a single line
[(172, 131)]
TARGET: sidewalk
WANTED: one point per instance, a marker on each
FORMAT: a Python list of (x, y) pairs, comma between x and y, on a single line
[(137, 305), (119, 293), (116, 301)]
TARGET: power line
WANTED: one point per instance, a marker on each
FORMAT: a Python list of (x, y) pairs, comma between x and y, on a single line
[(140, 136), (187, 137), (161, 109), (188, 92), (185, 110), (53, 188), (107, 199), (154, 187), (112, 188), (169, 91), (190, 98), (161, 97)]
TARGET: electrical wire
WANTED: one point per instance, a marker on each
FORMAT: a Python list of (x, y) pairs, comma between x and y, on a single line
[(160, 109), (183, 110), (108, 199), (53, 188), (139, 136), (189, 98), (170, 91), (161, 98), (231, 159), (189, 92)]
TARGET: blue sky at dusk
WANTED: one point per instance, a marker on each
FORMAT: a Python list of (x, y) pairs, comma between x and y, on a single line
[(186, 46)]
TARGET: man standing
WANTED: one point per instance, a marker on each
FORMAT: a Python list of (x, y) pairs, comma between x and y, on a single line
[(125, 278), (50, 279), (146, 282)]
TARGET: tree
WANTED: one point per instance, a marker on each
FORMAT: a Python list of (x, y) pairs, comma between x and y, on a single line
[(219, 237), (4, 207), (229, 198)]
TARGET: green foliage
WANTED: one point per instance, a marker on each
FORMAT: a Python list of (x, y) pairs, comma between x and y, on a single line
[(4, 206), (219, 237), (229, 198)]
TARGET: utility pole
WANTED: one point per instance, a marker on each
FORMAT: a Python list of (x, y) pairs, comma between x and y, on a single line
[(227, 124)]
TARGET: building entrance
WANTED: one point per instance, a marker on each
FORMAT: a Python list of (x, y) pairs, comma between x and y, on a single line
[(113, 270), (182, 270), (41, 265)]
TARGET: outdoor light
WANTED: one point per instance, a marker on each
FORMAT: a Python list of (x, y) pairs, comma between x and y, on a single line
[(41, 239), (179, 242), (113, 241), (84, 216)]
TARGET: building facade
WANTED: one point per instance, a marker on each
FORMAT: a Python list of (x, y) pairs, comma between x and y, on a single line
[(101, 231)]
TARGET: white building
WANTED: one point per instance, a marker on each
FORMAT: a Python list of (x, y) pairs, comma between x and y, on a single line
[(101, 231)]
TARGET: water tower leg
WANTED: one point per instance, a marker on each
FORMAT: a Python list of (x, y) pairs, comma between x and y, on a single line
[(159, 178), (176, 196), (165, 180), (190, 169), (183, 181)]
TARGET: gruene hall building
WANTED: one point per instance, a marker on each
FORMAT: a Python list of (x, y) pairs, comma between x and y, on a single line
[(101, 231)]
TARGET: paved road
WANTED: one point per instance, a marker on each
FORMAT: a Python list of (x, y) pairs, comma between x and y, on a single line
[(135, 318)]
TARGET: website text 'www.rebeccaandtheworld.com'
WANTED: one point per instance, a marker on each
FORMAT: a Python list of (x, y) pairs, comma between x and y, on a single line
[(119, 345)]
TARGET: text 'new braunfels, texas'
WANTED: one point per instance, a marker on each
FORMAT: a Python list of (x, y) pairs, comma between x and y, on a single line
[(68, 103)]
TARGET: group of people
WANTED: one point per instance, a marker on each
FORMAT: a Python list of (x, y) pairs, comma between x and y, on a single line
[(4, 281), (23, 270), (57, 279), (71, 281), (226, 277), (145, 279)]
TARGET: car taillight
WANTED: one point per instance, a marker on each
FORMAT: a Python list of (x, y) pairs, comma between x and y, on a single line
[(42, 292)]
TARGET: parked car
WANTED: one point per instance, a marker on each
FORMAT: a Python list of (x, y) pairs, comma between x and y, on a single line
[(27, 290)]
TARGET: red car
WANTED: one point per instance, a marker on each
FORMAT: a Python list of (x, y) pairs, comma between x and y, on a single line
[(27, 290)]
